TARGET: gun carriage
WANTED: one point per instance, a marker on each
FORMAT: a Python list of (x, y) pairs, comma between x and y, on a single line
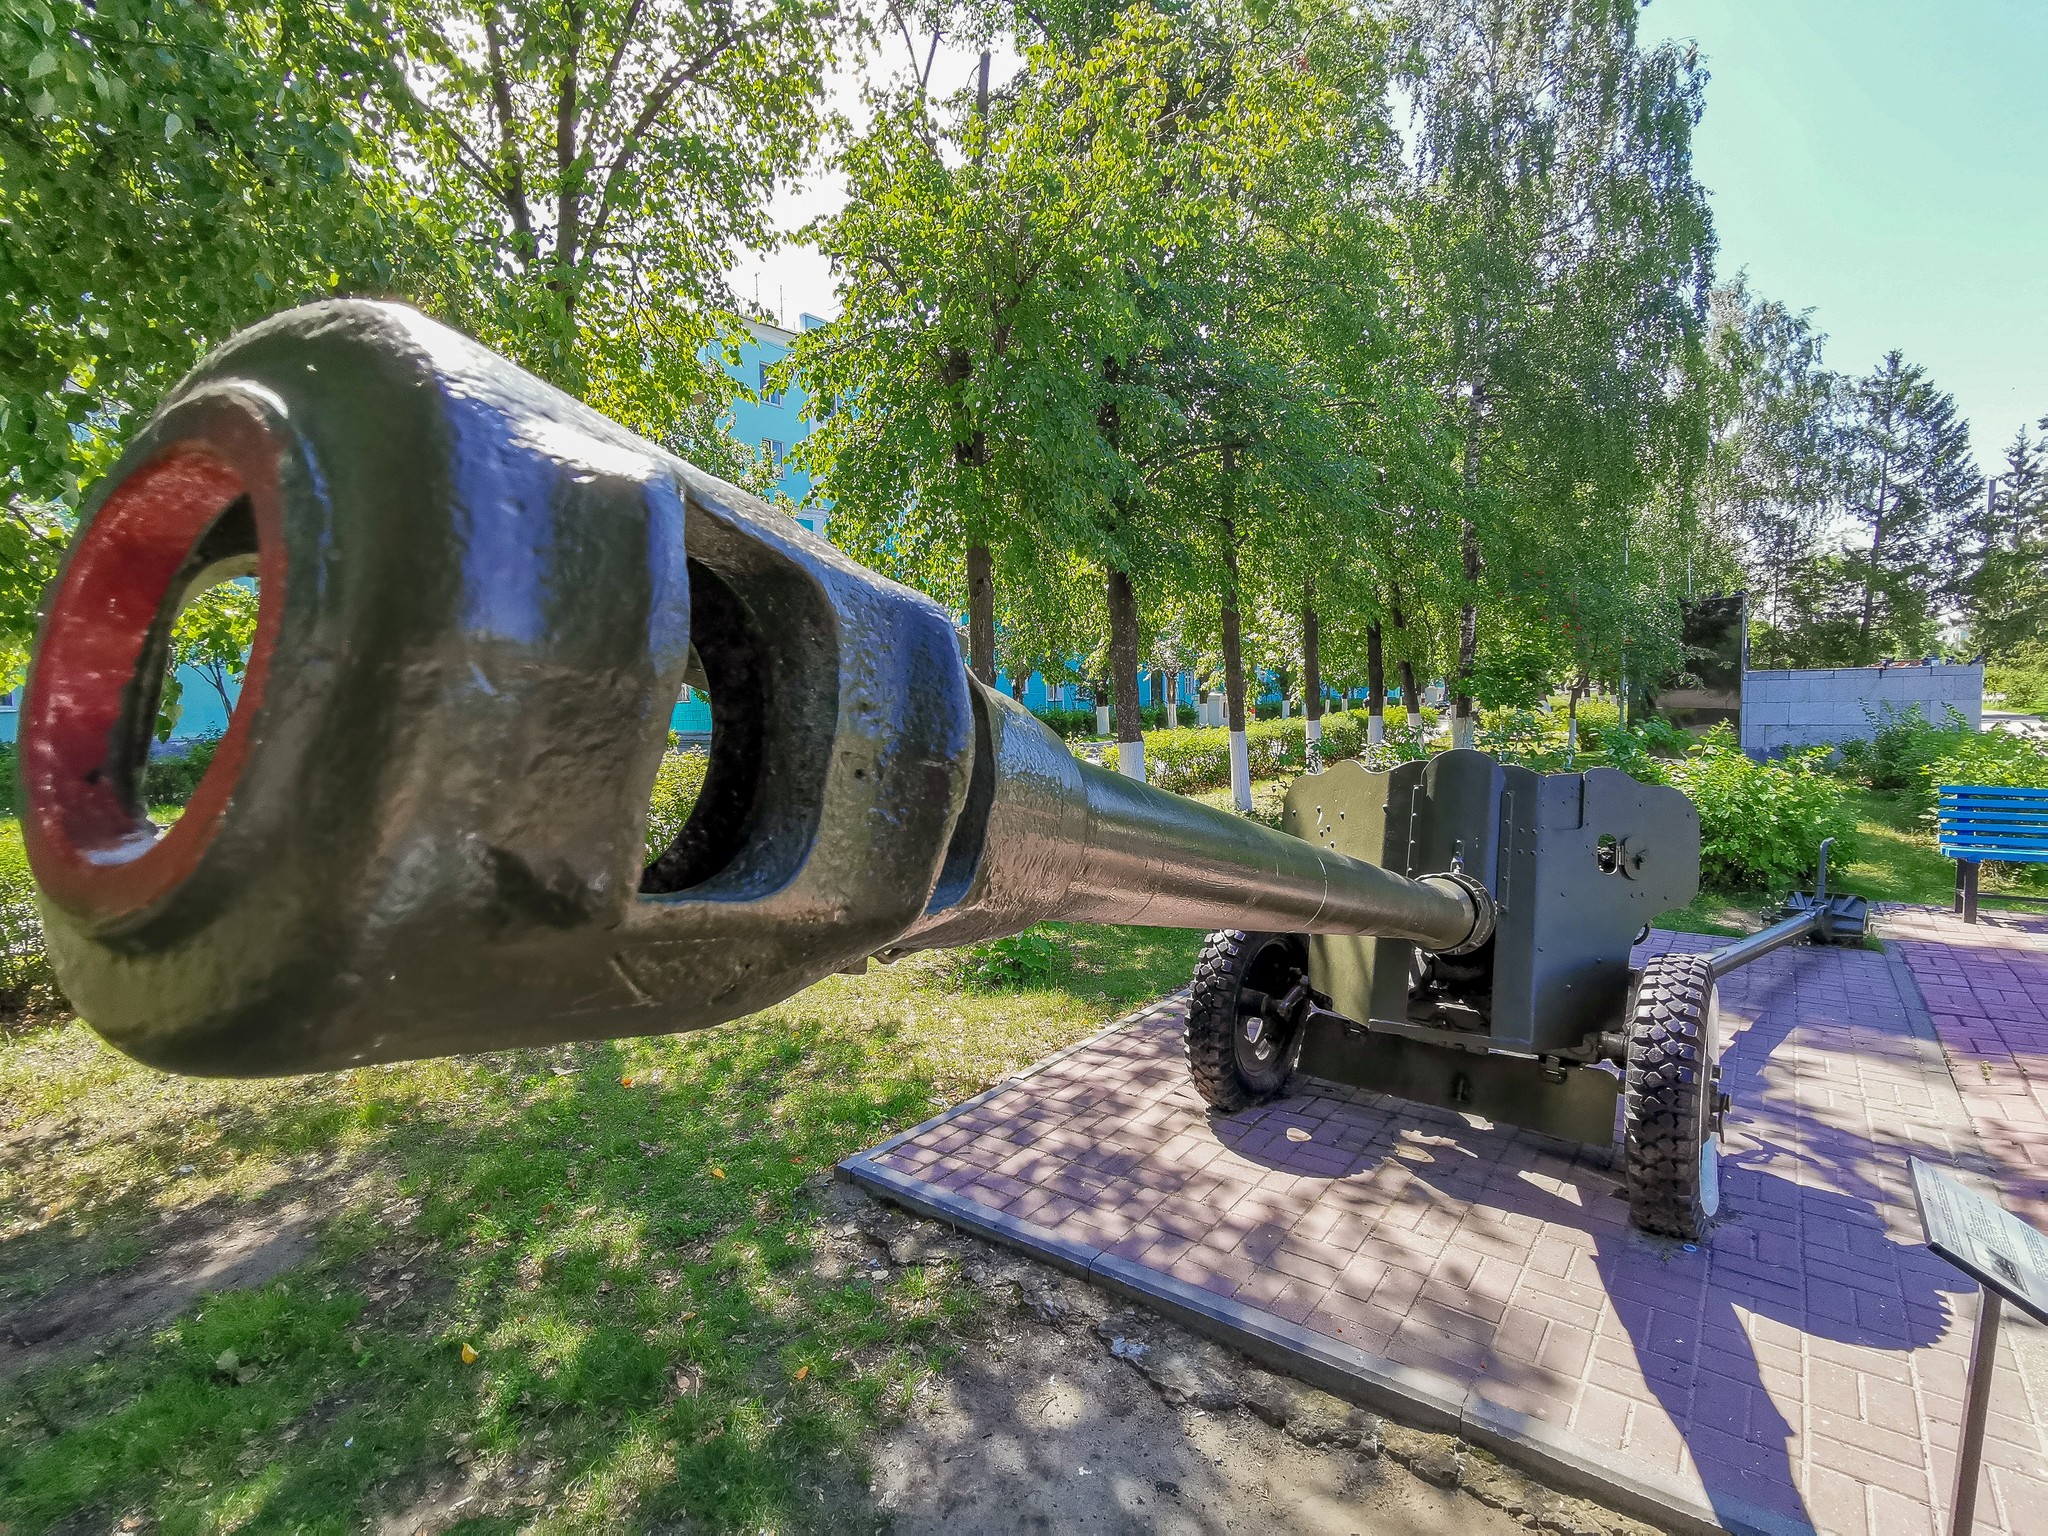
[(423, 830)]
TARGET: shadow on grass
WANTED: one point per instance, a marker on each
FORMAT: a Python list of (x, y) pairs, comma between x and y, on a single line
[(624, 1234)]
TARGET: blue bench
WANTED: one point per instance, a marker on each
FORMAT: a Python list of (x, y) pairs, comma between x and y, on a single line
[(1991, 821)]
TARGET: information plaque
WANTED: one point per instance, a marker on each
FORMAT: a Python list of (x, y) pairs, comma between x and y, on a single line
[(2009, 1259), (1983, 1239)]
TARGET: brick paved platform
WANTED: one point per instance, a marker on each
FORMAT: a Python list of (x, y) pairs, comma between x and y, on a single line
[(1800, 1371)]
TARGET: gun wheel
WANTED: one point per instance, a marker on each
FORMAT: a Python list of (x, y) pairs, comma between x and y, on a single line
[(1240, 1041), (1670, 1148)]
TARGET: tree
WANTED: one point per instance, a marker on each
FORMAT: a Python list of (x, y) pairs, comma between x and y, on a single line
[(596, 163), (2008, 590), (974, 253), (1773, 470), (213, 633), (1911, 481), (168, 173), (1565, 255)]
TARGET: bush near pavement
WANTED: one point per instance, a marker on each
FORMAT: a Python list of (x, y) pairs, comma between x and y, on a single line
[(1762, 824)]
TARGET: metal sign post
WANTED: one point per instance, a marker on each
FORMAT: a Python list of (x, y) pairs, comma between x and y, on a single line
[(2009, 1259)]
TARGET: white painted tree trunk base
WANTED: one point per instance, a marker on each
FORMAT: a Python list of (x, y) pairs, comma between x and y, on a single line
[(1314, 730), (1130, 759), (1415, 725), (1375, 730), (1240, 771), (1102, 719), (1461, 731)]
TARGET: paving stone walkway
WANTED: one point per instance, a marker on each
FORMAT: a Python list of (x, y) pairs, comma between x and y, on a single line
[(1986, 985), (1801, 1370)]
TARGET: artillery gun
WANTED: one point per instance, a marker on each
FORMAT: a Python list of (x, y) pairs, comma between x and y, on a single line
[(423, 830)]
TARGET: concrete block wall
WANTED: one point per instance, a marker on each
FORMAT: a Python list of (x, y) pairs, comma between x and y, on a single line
[(1783, 710)]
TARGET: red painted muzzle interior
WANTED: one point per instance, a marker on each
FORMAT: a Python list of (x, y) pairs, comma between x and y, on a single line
[(92, 849)]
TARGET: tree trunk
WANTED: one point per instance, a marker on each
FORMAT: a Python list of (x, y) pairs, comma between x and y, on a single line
[(1311, 661), (1233, 661), (1123, 675), (1409, 699), (981, 614), (1375, 686), (1571, 719), (1462, 723), (1018, 680), (1870, 571)]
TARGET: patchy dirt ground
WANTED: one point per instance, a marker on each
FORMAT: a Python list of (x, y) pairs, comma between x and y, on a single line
[(1079, 1413)]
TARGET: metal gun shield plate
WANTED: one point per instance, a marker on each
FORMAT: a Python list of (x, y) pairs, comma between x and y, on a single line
[(1576, 865)]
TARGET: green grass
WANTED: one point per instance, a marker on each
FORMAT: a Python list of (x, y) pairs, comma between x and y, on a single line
[(621, 1232)]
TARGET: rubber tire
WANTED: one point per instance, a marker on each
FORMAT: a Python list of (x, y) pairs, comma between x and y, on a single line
[(1671, 1168), (1229, 956)]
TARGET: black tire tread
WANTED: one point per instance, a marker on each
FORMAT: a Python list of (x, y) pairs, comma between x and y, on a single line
[(1209, 1037), (1668, 1085)]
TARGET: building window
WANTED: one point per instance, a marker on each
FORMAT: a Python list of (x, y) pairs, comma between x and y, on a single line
[(774, 449), (769, 395)]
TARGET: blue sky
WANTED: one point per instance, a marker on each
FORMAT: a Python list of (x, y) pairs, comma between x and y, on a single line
[(1885, 163), (1881, 162)]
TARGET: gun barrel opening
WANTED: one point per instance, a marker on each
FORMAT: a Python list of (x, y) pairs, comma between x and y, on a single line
[(199, 512)]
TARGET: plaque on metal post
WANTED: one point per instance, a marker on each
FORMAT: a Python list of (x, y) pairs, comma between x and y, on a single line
[(1983, 1239), (2009, 1259)]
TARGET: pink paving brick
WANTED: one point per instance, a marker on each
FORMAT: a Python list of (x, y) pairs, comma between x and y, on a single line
[(1807, 1360)]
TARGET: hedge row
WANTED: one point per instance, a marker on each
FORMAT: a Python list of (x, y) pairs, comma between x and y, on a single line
[(1196, 759)]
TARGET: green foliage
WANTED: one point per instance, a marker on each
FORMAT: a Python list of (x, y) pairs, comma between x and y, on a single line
[(1985, 757), (171, 777), (1195, 759), (212, 636), (1068, 723), (1019, 960), (593, 169), (2023, 687), (168, 172), (1521, 736), (1902, 744), (25, 974), (1761, 824), (677, 783)]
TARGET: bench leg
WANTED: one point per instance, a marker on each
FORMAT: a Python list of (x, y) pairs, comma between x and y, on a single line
[(1962, 879), (1970, 892)]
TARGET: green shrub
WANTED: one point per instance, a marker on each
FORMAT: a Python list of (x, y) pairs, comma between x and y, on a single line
[(1021, 960), (1984, 757), (677, 784), (24, 968), (170, 780), (1069, 723), (2023, 687), (10, 768), (1901, 747), (1521, 736), (1761, 824), (1595, 717)]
